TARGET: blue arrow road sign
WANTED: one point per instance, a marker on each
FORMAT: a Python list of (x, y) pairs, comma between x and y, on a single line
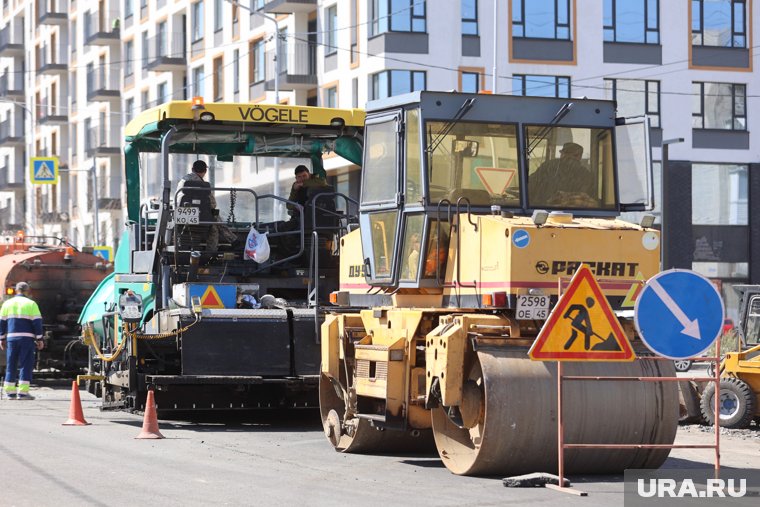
[(679, 314), (520, 238)]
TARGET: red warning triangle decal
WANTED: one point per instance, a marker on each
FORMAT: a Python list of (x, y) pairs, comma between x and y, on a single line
[(211, 299), (495, 179), (582, 326)]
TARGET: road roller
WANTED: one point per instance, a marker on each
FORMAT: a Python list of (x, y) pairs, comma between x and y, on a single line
[(475, 213)]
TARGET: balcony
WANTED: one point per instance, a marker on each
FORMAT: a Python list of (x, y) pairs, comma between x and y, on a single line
[(49, 65), (298, 66), (100, 142), (52, 12), (109, 204), (48, 114), (9, 45), (55, 217), (12, 86), (12, 179), (103, 85), (166, 52), (12, 131), (290, 6), (102, 28)]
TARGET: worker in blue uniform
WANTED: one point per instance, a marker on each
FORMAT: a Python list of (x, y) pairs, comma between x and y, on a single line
[(20, 334)]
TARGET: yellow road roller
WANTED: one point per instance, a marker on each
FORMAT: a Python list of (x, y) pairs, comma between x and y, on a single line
[(475, 212)]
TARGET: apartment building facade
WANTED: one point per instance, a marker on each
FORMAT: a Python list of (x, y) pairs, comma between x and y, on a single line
[(79, 70)]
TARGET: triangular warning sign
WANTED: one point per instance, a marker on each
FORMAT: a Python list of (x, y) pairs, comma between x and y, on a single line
[(634, 291), (44, 172), (495, 179), (211, 299), (582, 326)]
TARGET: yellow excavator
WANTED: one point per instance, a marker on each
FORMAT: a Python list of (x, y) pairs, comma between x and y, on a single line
[(475, 210)]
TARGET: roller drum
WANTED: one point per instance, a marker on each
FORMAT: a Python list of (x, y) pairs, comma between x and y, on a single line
[(516, 428)]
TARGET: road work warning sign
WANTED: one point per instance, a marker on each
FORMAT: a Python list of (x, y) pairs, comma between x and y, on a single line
[(582, 326)]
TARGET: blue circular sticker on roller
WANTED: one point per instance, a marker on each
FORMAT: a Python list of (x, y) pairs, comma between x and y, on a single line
[(521, 238)]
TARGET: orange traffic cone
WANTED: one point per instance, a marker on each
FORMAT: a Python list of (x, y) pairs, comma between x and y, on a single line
[(150, 421), (76, 417)]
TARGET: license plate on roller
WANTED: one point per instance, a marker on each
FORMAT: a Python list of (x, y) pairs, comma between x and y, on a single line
[(532, 307), (187, 216)]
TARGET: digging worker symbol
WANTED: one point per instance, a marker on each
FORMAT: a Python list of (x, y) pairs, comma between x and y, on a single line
[(581, 323)]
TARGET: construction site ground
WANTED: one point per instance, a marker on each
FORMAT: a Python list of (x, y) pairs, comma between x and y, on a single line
[(268, 458)]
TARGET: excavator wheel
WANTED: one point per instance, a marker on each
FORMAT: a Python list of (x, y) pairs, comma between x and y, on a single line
[(737, 403), (508, 422), (355, 435)]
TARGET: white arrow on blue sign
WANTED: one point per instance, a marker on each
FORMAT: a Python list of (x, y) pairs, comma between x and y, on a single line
[(679, 314)]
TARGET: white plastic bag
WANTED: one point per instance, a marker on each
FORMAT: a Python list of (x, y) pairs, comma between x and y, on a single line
[(256, 246)]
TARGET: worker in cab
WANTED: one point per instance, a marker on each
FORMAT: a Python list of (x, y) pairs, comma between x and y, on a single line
[(20, 335), (299, 192)]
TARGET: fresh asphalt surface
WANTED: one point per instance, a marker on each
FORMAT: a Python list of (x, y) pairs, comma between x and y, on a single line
[(270, 458)]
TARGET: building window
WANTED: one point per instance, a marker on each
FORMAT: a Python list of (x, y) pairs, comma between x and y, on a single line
[(218, 21), (719, 106), (395, 82), (719, 23), (218, 79), (145, 49), (331, 97), (397, 16), (541, 86), (145, 100), (129, 56), (198, 78), (632, 21), (128, 8), (257, 61), (541, 19), (257, 5), (236, 71), (162, 93), (331, 20), (469, 17), (470, 82), (162, 41), (355, 92), (197, 20), (635, 97), (355, 32), (720, 194), (129, 110)]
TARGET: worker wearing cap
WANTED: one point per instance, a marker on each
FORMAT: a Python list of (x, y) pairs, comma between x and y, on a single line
[(206, 202), (20, 333), (558, 179)]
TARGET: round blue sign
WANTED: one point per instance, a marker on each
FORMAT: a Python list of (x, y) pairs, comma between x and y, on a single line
[(521, 238), (679, 314)]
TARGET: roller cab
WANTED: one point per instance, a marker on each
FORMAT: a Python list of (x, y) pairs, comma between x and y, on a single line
[(476, 210)]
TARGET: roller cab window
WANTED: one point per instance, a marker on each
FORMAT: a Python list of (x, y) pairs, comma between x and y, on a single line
[(478, 161)]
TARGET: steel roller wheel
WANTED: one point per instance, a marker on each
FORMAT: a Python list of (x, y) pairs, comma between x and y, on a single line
[(508, 416), (736, 405), (354, 435)]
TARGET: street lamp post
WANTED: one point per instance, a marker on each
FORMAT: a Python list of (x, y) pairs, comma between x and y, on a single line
[(276, 77), (665, 184)]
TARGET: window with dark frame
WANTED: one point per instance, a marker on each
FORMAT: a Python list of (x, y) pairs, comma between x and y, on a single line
[(470, 82), (719, 106), (331, 97), (397, 16), (331, 21), (218, 79), (389, 83), (469, 17), (635, 21), (197, 20), (354, 31), (218, 20), (129, 57), (720, 23), (635, 97), (257, 70), (528, 85), (541, 19)]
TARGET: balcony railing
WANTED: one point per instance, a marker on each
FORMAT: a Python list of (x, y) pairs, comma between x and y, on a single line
[(167, 52), (12, 178), (52, 12), (100, 141), (10, 45), (102, 28), (12, 131), (103, 84), (51, 114), (12, 85), (49, 63), (298, 66)]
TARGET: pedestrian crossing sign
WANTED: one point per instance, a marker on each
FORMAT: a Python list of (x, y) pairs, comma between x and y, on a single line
[(105, 252), (44, 171), (582, 326)]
